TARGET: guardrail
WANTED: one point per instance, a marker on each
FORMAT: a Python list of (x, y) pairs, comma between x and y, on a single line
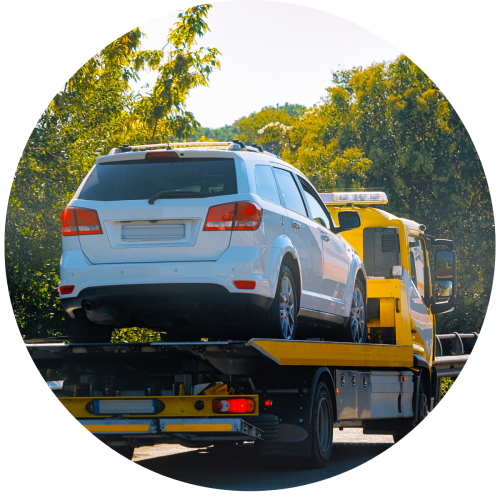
[(452, 365), (452, 344)]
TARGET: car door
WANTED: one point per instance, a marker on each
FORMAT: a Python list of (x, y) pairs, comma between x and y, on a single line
[(336, 254), (305, 236)]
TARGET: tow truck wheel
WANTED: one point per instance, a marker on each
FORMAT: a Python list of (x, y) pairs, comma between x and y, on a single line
[(422, 409), (124, 451), (356, 330), (322, 434), (82, 331), (280, 322)]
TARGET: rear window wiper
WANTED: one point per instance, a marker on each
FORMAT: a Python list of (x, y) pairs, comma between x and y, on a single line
[(176, 194)]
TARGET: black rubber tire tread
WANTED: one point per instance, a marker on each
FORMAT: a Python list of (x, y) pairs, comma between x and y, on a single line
[(319, 458), (344, 334), (268, 424), (422, 409), (268, 325), (82, 331), (125, 451)]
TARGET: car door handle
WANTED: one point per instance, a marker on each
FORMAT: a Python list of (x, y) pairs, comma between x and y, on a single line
[(295, 224), (325, 237)]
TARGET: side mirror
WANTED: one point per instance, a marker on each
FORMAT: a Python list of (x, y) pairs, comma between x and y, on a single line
[(347, 220), (444, 282)]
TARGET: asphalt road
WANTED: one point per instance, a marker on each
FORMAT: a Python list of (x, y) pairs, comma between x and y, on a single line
[(239, 468)]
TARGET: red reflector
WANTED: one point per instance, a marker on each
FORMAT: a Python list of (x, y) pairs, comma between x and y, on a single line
[(248, 216), (245, 285), (153, 155), (220, 218), (68, 222), (234, 405), (268, 402), (65, 290)]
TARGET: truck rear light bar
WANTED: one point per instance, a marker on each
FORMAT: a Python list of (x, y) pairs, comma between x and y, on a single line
[(76, 220), (240, 216), (233, 405)]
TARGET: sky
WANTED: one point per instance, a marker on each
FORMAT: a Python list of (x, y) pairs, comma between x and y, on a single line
[(272, 53)]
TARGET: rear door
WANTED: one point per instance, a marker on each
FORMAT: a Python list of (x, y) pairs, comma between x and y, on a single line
[(306, 237), (139, 229)]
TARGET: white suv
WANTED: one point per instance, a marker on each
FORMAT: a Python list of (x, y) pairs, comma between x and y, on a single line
[(203, 242)]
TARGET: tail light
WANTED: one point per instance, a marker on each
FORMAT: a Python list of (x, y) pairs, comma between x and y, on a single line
[(77, 220), (241, 216), (233, 405), (66, 289), (248, 216), (245, 285)]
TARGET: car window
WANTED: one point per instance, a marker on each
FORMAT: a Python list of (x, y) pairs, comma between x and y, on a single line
[(140, 180), (417, 264), (266, 183), (318, 213), (289, 191)]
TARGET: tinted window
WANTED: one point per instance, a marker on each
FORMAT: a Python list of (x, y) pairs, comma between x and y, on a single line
[(289, 191), (318, 213), (266, 183), (142, 180)]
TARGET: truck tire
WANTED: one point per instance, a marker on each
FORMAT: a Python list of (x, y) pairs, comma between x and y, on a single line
[(268, 424), (322, 422), (82, 331), (422, 412), (124, 451), (356, 329), (280, 322)]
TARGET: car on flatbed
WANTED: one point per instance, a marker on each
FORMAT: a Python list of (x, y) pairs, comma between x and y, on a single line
[(200, 239)]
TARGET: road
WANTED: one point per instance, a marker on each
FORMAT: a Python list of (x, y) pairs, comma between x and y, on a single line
[(239, 468)]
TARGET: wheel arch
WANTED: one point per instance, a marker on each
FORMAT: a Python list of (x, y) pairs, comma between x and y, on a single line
[(322, 374), (292, 262)]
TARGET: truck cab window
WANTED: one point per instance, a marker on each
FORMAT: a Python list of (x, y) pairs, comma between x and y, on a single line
[(417, 264)]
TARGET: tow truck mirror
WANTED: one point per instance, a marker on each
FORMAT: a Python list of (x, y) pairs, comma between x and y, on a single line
[(347, 220), (444, 283)]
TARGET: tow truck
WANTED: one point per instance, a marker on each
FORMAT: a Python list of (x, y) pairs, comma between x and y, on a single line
[(285, 396)]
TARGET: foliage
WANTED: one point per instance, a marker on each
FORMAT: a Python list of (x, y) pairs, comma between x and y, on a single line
[(131, 335), (446, 384), (389, 127), (94, 112)]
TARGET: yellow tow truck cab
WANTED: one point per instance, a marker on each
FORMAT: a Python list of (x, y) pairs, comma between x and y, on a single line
[(411, 275)]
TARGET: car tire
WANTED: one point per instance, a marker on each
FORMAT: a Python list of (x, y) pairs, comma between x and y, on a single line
[(356, 329), (81, 330), (280, 322)]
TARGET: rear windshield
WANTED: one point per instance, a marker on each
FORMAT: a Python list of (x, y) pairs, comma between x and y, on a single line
[(141, 180)]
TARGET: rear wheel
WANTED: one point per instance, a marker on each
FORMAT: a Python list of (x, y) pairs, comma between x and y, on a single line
[(322, 434), (82, 331), (280, 322)]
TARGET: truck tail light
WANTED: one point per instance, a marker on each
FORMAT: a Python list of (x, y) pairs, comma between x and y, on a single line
[(241, 216), (220, 217), (248, 216), (233, 405), (76, 220)]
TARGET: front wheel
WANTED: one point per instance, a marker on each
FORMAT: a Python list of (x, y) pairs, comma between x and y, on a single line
[(356, 329)]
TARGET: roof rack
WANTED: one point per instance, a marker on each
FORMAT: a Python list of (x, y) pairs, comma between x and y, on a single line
[(234, 145)]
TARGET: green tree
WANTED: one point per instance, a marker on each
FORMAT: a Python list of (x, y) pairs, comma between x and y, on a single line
[(94, 112)]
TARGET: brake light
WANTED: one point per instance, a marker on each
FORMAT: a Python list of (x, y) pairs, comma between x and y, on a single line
[(76, 220), (154, 155), (233, 405), (67, 289), (241, 216), (248, 216), (220, 218)]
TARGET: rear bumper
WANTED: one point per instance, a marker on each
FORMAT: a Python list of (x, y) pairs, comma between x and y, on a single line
[(185, 429), (117, 303)]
